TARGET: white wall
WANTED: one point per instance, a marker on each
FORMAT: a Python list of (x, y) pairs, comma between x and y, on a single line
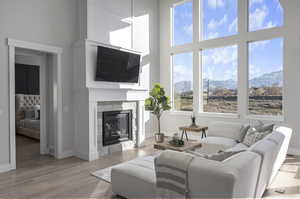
[(52, 22), (131, 24), (291, 34)]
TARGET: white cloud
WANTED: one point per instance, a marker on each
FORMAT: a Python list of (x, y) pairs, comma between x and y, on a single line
[(233, 26), (270, 24), (217, 56), (230, 74), (180, 73), (188, 29), (259, 44), (254, 71), (220, 63), (257, 18), (279, 7), (213, 24), (252, 2), (213, 35), (185, 14), (213, 4)]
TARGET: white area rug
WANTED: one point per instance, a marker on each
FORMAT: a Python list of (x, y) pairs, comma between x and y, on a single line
[(104, 174)]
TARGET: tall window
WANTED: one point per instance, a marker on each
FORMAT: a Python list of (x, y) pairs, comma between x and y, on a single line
[(183, 81), (266, 77), (223, 56), (219, 75), (219, 18), (264, 14), (183, 23)]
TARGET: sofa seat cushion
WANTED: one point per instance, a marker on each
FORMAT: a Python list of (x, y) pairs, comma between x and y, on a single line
[(212, 145), (134, 179), (238, 147)]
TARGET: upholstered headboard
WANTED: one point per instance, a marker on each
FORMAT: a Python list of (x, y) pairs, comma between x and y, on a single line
[(26, 102)]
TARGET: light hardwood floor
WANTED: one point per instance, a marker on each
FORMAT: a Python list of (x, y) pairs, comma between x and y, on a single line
[(44, 177)]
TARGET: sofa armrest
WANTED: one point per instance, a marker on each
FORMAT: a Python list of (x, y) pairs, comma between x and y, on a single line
[(233, 178)]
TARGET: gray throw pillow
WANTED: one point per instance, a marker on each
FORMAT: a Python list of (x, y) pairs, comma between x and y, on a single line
[(255, 134), (265, 128), (221, 156), (243, 132)]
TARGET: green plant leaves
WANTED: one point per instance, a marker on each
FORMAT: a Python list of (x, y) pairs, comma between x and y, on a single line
[(157, 102)]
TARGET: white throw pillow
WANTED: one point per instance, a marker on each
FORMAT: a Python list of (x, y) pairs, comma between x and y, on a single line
[(37, 109), (221, 156)]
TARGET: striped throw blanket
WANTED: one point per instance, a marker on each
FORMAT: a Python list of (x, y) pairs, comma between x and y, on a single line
[(172, 174)]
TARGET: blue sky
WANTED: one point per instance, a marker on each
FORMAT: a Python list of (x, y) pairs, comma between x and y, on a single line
[(220, 20)]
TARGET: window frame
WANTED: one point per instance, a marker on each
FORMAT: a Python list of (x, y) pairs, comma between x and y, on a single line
[(172, 83), (241, 40), (259, 116), (202, 84), (265, 28), (173, 22), (201, 16)]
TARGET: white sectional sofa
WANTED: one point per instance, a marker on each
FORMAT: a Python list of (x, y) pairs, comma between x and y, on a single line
[(244, 175)]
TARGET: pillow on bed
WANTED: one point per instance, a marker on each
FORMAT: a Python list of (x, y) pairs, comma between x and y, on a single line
[(36, 109)]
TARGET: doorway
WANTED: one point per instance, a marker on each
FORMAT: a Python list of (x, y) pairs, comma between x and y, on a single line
[(46, 95), (31, 105)]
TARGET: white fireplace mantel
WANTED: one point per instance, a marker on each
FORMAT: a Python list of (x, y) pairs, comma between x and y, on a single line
[(113, 95), (101, 95)]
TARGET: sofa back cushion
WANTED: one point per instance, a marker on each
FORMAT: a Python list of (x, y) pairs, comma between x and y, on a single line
[(281, 136), (268, 151), (225, 129)]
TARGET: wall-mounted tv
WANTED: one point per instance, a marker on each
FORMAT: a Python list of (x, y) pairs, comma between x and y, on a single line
[(117, 66)]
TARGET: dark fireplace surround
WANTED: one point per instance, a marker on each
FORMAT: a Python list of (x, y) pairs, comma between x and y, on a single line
[(116, 127)]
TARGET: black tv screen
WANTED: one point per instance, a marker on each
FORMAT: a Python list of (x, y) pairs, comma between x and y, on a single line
[(117, 66)]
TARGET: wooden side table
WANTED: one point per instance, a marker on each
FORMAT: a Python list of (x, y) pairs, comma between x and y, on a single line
[(188, 145), (184, 130)]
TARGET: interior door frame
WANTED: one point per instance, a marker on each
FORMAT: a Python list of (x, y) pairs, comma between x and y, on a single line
[(57, 91)]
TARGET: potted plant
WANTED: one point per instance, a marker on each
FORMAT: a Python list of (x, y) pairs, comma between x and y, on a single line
[(157, 103)]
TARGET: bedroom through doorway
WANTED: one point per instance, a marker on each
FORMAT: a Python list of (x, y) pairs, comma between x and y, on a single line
[(33, 86)]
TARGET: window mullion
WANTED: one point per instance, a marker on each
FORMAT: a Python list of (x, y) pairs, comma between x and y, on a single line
[(242, 17), (243, 79), (243, 58)]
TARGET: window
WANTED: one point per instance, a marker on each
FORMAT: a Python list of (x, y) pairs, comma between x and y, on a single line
[(265, 14), (222, 50), (219, 75), (219, 18), (266, 77), (183, 23), (183, 81)]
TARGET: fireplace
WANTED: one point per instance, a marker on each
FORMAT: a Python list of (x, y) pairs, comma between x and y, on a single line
[(116, 127)]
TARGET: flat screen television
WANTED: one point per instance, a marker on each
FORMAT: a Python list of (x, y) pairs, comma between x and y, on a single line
[(117, 66)]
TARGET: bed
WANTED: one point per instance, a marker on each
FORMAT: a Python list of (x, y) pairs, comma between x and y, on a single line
[(28, 115)]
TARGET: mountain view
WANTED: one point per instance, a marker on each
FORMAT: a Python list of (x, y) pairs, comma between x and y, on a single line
[(274, 78)]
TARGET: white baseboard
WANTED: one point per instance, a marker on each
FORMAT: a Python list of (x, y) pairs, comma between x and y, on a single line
[(66, 154), (81, 156), (94, 156), (5, 168), (294, 151)]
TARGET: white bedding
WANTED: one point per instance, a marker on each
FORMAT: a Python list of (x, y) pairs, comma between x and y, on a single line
[(30, 123)]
